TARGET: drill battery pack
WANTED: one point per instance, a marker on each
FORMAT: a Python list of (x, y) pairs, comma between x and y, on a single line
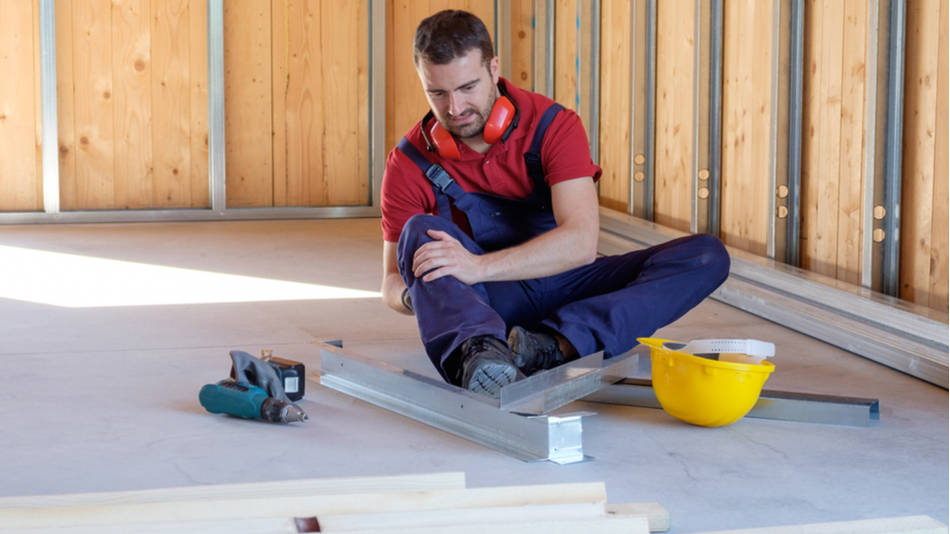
[(291, 374)]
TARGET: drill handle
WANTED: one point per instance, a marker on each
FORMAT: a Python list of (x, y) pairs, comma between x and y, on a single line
[(233, 398)]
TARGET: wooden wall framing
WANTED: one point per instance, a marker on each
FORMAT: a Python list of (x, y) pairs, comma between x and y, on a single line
[(132, 98), (834, 125)]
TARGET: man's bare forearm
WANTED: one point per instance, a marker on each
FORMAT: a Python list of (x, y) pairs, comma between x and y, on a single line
[(392, 289), (553, 252)]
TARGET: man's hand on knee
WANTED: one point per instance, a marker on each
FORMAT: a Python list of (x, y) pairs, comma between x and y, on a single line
[(446, 256)]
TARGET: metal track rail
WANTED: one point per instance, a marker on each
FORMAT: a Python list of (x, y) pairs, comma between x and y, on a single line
[(452, 409), (772, 404), (899, 334)]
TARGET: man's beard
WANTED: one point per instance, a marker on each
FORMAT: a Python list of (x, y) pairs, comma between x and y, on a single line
[(477, 126)]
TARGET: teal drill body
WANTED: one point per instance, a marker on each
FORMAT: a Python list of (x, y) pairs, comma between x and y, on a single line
[(248, 401)]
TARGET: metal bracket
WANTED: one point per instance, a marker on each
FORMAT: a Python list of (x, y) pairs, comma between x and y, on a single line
[(781, 405), (453, 409)]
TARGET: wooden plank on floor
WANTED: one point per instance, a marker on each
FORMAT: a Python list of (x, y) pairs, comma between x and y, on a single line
[(598, 525), (657, 516), (281, 505), (918, 524), (289, 488)]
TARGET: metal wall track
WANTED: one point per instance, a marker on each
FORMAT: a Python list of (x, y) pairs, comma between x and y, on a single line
[(907, 337), (453, 409)]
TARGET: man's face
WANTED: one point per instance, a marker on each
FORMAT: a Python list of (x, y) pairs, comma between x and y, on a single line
[(461, 93)]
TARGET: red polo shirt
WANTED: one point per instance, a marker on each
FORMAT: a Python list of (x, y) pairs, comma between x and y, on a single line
[(565, 154)]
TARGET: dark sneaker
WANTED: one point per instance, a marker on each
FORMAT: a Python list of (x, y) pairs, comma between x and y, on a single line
[(487, 365), (534, 351)]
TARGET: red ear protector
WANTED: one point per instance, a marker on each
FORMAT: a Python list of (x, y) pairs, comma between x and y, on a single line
[(502, 120)]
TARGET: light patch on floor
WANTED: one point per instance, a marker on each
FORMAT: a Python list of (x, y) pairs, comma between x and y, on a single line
[(77, 281)]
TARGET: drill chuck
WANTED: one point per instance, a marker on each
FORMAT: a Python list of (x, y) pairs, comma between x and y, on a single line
[(278, 411)]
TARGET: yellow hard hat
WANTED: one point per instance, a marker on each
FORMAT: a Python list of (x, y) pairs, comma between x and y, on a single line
[(704, 391)]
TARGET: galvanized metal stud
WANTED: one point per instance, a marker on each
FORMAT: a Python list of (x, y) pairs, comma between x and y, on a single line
[(715, 118), (377, 98), (873, 127), (892, 149), (216, 120), (796, 61), (773, 128), (50, 149)]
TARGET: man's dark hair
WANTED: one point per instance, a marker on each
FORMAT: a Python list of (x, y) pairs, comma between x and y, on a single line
[(450, 34)]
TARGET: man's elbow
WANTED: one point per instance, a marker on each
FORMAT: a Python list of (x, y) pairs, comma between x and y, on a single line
[(587, 251)]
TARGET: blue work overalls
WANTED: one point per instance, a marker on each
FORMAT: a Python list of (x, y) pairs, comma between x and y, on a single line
[(605, 305)]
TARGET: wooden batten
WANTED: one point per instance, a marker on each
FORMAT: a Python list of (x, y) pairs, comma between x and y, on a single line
[(280, 505)]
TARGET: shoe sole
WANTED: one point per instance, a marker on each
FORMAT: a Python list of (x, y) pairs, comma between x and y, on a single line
[(490, 377)]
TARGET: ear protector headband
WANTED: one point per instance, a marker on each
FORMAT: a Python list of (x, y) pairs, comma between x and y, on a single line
[(502, 120)]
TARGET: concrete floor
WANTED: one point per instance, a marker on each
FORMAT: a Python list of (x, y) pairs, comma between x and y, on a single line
[(102, 361)]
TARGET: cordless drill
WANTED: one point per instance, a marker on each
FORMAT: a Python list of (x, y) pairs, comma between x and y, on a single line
[(248, 401), (258, 389)]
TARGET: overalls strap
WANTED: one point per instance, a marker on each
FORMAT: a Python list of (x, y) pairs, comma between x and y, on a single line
[(532, 158), (440, 179)]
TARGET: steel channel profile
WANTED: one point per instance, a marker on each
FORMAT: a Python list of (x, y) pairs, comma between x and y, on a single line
[(794, 180), (855, 319), (715, 118), (50, 152), (772, 404), (773, 128), (453, 409), (216, 120), (650, 112), (892, 149), (549, 390), (873, 92), (698, 49), (377, 99)]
